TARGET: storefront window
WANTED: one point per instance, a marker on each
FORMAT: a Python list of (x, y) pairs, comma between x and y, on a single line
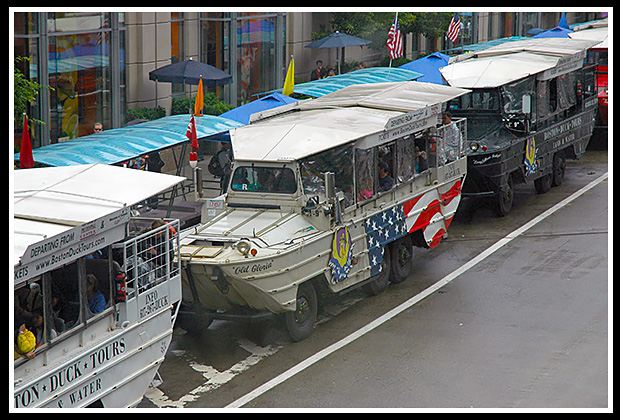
[(256, 51), (77, 21), (79, 72), (177, 54), (215, 35)]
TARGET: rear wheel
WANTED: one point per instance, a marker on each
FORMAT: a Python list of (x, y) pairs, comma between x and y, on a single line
[(300, 323), (380, 282), (559, 168), (402, 259), (543, 184)]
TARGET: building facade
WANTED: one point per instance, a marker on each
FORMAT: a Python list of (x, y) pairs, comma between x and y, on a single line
[(97, 64)]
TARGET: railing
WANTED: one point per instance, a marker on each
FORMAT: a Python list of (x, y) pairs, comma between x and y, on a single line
[(447, 143), (149, 256)]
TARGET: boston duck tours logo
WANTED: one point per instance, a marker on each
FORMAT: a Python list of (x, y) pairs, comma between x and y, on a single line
[(342, 251)]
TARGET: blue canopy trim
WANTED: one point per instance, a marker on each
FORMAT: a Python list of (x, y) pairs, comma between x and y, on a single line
[(122, 144), (242, 113)]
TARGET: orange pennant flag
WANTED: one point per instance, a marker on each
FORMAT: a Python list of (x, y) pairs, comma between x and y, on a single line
[(199, 100)]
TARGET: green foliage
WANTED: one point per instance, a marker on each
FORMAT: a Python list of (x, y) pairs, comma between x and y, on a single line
[(375, 26), (212, 106), (145, 113), (25, 92)]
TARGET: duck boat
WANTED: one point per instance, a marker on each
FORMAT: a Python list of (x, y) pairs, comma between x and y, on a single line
[(325, 195)]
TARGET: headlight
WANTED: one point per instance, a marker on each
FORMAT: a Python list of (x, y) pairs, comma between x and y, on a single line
[(243, 247), (473, 146)]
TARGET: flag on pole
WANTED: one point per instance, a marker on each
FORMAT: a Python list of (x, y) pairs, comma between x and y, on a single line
[(454, 28), (25, 153), (200, 99), (191, 134), (395, 40), (289, 82)]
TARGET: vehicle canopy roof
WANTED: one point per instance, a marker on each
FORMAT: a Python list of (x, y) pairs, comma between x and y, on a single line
[(48, 202), (335, 119), (599, 34), (505, 63)]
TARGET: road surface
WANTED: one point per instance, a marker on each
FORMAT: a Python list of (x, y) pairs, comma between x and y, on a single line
[(506, 313)]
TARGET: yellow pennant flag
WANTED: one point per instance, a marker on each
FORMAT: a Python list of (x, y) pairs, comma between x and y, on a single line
[(199, 100), (289, 82)]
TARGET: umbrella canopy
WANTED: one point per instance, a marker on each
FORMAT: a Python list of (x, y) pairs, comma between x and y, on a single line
[(189, 71), (338, 40), (429, 67), (557, 32), (242, 113)]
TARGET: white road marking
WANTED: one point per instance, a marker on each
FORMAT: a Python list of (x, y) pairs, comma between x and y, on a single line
[(409, 303), (214, 378)]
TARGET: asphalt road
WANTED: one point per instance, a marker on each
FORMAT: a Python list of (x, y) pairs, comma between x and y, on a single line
[(523, 327)]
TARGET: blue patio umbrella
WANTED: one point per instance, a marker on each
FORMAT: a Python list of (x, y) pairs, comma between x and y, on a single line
[(338, 40), (242, 113), (429, 67)]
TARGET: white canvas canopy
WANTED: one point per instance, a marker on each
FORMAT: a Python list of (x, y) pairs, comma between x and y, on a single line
[(505, 63), (599, 34), (335, 119), (50, 202)]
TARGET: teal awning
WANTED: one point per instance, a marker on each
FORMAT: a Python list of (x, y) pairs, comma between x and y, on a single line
[(122, 144), (318, 88)]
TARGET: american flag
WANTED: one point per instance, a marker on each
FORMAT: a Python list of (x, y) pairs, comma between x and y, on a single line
[(454, 28), (395, 40), (381, 229)]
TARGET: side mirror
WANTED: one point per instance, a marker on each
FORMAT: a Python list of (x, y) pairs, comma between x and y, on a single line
[(526, 104)]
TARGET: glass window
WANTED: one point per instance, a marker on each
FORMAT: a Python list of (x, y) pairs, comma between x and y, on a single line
[(262, 179), (79, 72), (512, 94), (406, 157), (478, 100), (386, 155), (77, 21), (256, 42), (177, 46), (25, 23), (365, 173), (340, 162)]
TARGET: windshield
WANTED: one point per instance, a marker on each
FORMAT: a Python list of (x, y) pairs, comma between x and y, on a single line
[(477, 100), (264, 179)]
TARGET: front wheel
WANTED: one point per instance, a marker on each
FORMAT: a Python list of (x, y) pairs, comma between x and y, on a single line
[(300, 323), (505, 198)]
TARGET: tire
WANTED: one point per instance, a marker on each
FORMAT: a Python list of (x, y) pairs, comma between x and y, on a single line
[(505, 198), (380, 282), (543, 184), (402, 259), (193, 321), (559, 169), (300, 323)]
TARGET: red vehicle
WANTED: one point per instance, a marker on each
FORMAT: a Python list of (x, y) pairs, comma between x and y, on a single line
[(597, 56)]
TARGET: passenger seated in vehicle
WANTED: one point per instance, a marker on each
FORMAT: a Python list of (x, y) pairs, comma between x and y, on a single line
[(96, 300), (25, 341), (386, 182)]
